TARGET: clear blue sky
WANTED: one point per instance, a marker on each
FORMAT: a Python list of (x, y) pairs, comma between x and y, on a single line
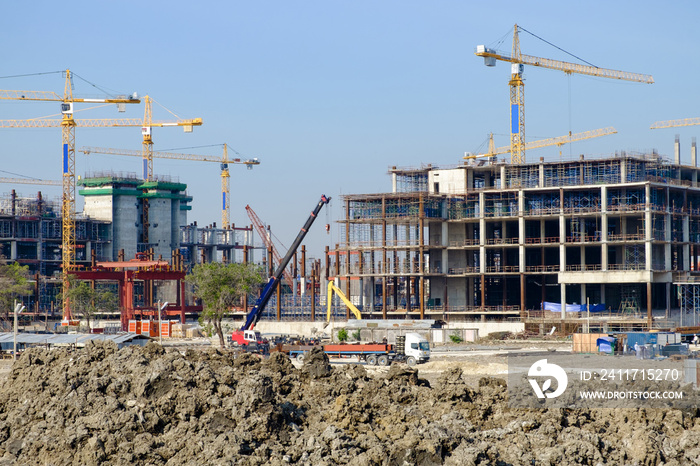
[(329, 94)]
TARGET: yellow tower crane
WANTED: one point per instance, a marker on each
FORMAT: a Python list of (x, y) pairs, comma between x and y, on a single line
[(67, 124), (147, 154), (224, 162), (517, 86), (556, 141)]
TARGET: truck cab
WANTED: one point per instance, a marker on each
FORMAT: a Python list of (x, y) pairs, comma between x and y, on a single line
[(245, 337), (417, 349)]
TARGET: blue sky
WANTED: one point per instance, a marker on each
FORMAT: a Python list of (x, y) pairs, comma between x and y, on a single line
[(330, 94)]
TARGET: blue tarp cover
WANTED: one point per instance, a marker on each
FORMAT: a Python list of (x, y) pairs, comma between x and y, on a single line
[(605, 344), (556, 307)]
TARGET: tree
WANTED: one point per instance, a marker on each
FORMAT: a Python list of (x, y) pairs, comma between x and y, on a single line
[(14, 282), (86, 301), (222, 286)]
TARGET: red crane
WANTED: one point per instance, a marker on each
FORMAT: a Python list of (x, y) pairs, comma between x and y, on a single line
[(262, 231)]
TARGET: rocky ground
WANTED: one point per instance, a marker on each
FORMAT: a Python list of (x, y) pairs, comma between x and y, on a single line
[(149, 406)]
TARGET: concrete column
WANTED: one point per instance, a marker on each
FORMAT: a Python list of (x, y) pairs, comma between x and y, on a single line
[(482, 239), (649, 313), (393, 182), (623, 169), (602, 293), (648, 231), (694, 158), (583, 293), (686, 239), (604, 227), (540, 183), (503, 177), (562, 288), (444, 242), (677, 150), (562, 243)]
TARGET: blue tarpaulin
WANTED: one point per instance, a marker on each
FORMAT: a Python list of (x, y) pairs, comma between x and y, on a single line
[(556, 307), (606, 344)]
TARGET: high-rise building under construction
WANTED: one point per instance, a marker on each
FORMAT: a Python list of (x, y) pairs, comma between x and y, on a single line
[(536, 242)]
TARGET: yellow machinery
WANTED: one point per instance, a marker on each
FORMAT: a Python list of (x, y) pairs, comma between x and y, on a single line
[(329, 301), (517, 86)]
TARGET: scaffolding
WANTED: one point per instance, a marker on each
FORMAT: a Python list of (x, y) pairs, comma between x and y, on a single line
[(690, 303), (501, 204), (522, 176), (459, 208), (581, 201), (601, 172), (626, 199), (411, 181)]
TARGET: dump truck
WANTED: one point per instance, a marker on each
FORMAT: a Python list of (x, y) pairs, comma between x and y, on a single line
[(410, 348)]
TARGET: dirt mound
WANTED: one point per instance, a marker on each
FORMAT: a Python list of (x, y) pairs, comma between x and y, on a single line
[(147, 406)]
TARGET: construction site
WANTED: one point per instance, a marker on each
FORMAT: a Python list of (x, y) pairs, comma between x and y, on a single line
[(506, 307), (537, 242), (496, 244)]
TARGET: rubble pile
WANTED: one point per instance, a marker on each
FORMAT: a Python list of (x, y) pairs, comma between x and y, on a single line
[(138, 405)]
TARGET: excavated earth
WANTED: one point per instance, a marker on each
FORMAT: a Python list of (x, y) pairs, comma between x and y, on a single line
[(147, 406)]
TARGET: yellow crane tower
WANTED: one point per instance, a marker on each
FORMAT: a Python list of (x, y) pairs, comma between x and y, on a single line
[(147, 154), (556, 141), (517, 86), (67, 124), (224, 162)]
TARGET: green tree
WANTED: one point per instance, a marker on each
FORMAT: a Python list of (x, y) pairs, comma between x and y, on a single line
[(342, 335), (14, 282), (85, 301), (222, 286)]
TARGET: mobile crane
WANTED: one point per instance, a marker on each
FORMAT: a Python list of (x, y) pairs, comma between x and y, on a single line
[(246, 334)]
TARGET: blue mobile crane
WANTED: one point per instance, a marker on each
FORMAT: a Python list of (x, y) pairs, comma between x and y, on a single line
[(246, 335)]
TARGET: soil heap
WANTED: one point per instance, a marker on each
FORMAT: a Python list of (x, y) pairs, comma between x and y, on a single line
[(144, 405)]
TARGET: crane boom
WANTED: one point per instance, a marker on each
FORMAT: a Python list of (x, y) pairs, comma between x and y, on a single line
[(675, 123), (260, 228), (556, 141), (256, 312), (91, 123), (49, 96), (31, 181), (517, 85), (566, 67), (224, 161)]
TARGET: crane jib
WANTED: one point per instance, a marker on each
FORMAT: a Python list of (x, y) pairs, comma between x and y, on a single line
[(255, 313)]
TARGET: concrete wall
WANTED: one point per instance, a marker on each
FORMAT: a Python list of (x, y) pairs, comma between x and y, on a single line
[(160, 230), (126, 224)]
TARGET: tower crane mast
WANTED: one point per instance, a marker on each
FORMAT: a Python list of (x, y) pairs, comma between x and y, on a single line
[(67, 124), (517, 86)]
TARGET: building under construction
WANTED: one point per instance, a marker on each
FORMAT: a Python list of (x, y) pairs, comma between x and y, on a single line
[(533, 242), (112, 227)]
